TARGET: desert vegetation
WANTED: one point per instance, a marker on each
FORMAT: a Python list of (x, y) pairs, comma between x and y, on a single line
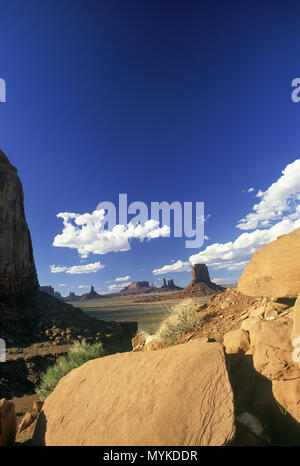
[(184, 318), (80, 353)]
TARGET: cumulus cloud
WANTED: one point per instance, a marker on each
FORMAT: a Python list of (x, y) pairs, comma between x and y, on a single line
[(277, 213), (114, 287), (87, 234), (250, 190), (122, 279), (57, 269), (225, 281), (78, 269), (281, 198), (234, 255), (84, 286), (178, 266), (119, 286)]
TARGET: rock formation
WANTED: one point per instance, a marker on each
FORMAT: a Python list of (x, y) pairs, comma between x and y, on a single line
[(270, 353), (274, 269), (175, 396), (28, 315), (201, 285), (18, 277), (51, 291), (72, 297), (136, 286), (169, 285), (200, 274), (91, 295)]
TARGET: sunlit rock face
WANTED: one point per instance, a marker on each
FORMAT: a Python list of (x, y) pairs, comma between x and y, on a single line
[(274, 269)]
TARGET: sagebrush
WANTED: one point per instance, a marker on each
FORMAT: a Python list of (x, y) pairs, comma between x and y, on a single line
[(80, 353), (183, 319)]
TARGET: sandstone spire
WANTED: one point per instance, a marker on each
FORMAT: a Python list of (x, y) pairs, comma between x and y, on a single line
[(200, 274), (200, 285)]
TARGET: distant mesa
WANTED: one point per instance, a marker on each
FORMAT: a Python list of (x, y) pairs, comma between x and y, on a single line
[(143, 287), (136, 286), (51, 291), (200, 285), (85, 297)]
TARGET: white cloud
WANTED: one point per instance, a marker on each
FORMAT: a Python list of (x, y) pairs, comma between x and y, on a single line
[(225, 281), (122, 279), (84, 286), (62, 284), (77, 269), (250, 190), (88, 268), (178, 266), (279, 199), (57, 269), (86, 233), (234, 255), (114, 287), (277, 213), (118, 287)]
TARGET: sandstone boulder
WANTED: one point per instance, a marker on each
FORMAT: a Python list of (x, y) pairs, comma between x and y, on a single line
[(274, 269), (175, 396), (27, 420), (138, 342), (8, 422), (287, 393), (236, 341), (273, 350), (273, 359)]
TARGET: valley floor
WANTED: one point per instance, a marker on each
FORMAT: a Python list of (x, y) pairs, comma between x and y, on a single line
[(149, 315)]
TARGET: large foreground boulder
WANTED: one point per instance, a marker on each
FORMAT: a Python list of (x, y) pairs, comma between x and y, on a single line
[(274, 269), (170, 397)]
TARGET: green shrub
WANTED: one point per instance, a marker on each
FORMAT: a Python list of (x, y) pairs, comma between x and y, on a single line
[(80, 353), (183, 319)]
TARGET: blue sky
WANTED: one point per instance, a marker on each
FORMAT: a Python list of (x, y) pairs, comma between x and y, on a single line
[(164, 101)]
